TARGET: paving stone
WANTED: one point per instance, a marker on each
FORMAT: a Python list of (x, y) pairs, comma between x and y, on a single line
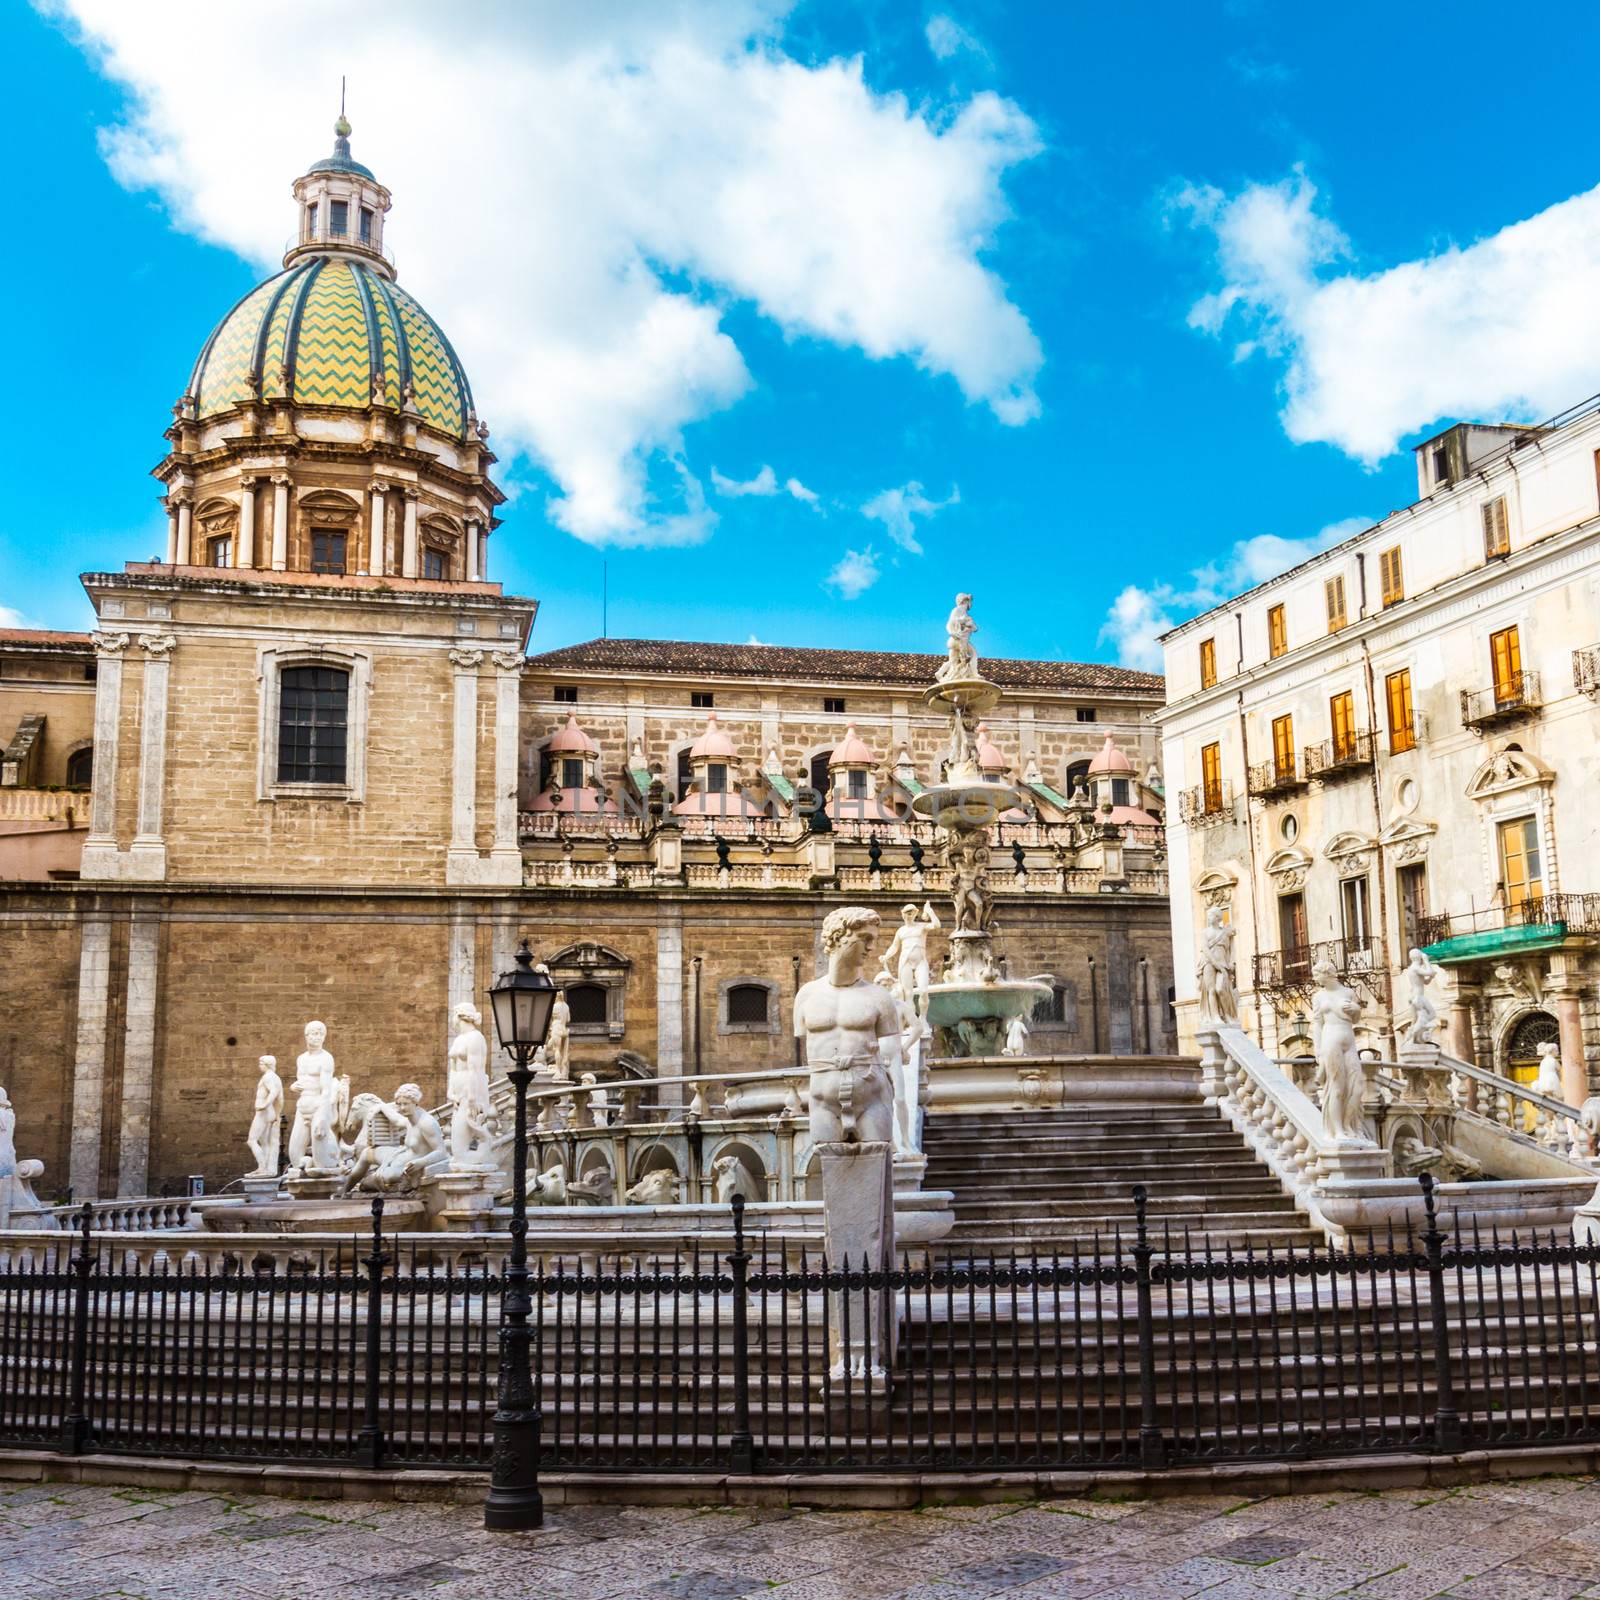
[(1004, 1572), (1260, 1548)]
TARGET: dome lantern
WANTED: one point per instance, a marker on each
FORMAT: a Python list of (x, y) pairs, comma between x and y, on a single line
[(342, 207)]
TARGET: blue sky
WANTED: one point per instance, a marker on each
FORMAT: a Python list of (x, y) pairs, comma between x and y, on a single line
[(1097, 311)]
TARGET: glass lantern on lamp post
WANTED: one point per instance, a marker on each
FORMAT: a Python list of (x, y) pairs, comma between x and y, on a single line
[(522, 1000)]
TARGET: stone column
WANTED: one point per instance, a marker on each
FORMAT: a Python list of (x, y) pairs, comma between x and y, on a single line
[(185, 529), (244, 547), (172, 531), (148, 856), (506, 853), (463, 971), (463, 855), (1463, 1044), (100, 845), (472, 551), (483, 554), (89, 1063), (139, 1055), (1565, 989), (408, 558), (669, 1004), (280, 523), (374, 553)]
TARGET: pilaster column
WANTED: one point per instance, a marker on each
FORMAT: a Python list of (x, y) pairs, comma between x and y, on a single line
[(1565, 990), (464, 763), (472, 550), (374, 562), (507, 850), (669, 1004), (280, 522), (138, 1055), (149, 851), (100, 845), (89, 1061), (172, 531), (1463, 1043), (408, 556), (185, 529), (244, 547), (483, 553)]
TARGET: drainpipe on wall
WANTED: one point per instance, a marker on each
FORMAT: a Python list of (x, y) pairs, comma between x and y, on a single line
[(695, 1013), (1400, 955), (1250, 841), (1094, 1009), (794, 962)]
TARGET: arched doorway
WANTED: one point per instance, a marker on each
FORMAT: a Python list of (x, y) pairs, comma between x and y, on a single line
[(1528, 1032)]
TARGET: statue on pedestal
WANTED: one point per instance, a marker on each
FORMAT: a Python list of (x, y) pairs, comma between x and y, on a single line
[(907, 955), (961, 659), (472, 1120), (313, 1140), (1335, 1010), (848, 1025), (558, 1040), (266, 1126), (1420, 972), (1219, 998)]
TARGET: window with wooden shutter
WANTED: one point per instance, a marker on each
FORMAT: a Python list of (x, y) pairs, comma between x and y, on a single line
[(1283, 746), (1391, 576), (1342, 714), (1505, 652), (1402, 724), (1208, 663), (1277, 631), (1211, 776), (1333, 590), (1496, 530), (1521, 868)]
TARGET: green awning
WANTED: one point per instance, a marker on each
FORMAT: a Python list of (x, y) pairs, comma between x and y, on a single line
[(1497, 942)]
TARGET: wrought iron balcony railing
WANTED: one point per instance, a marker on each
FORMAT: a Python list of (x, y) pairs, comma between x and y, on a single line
[(1516, 696), (1560, 913), (1337, 758), (1274, 777), (1206, 805), (1289, 976), (1586, 670)]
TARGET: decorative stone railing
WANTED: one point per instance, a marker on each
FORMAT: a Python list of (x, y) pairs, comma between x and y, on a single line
[(44, 805), (129, 1216)]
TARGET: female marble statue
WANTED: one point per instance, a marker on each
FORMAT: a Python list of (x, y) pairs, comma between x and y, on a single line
[(1335, 1011), (8, 1138), (266, 1126), (558, 1039), (1424, 1014), (472, 1118), (1219, 999)]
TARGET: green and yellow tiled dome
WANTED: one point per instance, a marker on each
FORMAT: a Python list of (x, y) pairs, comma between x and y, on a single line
[(317, 333)]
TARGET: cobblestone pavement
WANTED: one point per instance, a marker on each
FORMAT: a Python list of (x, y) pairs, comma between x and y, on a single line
[(1515, 1541)]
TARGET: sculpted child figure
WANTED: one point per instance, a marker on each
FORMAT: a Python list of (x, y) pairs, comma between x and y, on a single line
[(851, 1029), (266, 1126)]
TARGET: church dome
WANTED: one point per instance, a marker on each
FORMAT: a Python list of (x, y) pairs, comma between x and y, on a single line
[(333, 330)]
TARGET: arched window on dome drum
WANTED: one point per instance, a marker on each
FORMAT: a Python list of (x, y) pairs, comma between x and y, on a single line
[(313, 724), (1119, 792), (80, 768)]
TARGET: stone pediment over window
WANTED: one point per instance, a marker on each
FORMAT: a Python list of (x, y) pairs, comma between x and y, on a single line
[(1407, 839), (595, 978), (1289, 867), (1505, 771), (589, 957), (1350, 852), (1216, 887)]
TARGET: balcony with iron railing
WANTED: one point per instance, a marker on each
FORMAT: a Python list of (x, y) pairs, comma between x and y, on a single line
[(1206, 805), (1339, 757), (1275, 777), (1533, 923), (1290, 975), (1512, 697), (1586, 670)]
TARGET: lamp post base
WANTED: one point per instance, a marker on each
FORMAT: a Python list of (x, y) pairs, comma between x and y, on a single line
[(514, 1500)]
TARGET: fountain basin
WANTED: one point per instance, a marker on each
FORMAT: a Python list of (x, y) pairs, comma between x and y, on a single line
[(1000, 1001), (969, 802)]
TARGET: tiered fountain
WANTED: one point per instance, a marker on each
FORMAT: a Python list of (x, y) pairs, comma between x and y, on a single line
[(971, 1004)]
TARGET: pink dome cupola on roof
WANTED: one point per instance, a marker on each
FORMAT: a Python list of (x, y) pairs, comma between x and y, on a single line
[(573, 785), (713, 765), (851, 789), (1113, 783)]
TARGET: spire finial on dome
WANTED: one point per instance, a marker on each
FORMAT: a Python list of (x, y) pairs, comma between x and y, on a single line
[(341, 129)]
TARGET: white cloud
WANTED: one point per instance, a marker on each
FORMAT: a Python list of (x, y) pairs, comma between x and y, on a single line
[(1503, 328), (1138, 617), (898, 509), (10, 617), (947, 38), (763, 484), (579, 190), (855, 573)]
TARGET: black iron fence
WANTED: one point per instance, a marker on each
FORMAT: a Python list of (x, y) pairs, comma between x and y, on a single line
[(1144, 1350)]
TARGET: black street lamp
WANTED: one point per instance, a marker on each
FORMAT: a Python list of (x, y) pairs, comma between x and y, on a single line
[(522, 1001)]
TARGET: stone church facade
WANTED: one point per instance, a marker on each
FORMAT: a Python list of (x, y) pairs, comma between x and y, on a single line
[(305, 767)]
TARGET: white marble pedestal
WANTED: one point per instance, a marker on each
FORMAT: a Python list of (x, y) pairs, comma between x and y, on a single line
[(463, 1201), (858, 1231)]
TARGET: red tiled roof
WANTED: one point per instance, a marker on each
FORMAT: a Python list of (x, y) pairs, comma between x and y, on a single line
[(44, 639), (855, 666)]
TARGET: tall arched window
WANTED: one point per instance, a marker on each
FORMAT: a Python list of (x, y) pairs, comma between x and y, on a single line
[(1077, 777), (313, 724), (80, 768)]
